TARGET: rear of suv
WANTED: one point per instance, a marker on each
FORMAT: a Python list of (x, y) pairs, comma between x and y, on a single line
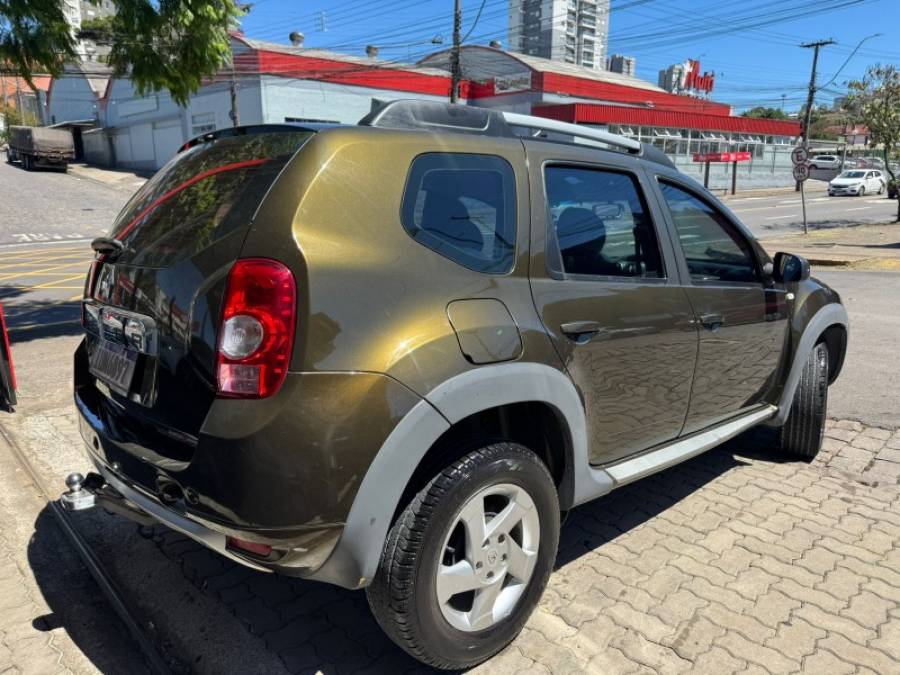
[(389, 356)]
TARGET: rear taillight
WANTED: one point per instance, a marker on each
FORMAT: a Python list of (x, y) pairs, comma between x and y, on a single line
[(257, 331)]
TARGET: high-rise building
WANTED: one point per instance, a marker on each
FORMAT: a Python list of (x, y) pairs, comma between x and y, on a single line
[(672, 78), (573, 31), (621, 64), (79, 11)]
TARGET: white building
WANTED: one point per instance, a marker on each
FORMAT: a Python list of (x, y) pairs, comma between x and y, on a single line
[(79, 11), (572, 31)]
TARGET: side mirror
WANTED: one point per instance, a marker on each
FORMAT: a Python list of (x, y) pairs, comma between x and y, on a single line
[(790, 268)]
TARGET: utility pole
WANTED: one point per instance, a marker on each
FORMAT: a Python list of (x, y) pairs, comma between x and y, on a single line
[(455, 71), (235, 117), (807, 118), (815, 46)]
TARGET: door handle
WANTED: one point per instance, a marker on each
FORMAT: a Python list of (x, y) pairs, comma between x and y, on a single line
[(581, 331), (712, 322)]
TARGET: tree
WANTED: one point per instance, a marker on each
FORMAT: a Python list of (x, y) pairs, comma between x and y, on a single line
[(876, 97), (158, 44), (766, 113)]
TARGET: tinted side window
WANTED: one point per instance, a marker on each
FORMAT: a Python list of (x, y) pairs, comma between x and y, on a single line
[(463, 206), (602, 223), (714, 249)]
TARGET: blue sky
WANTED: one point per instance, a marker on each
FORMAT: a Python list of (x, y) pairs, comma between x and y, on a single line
[(755, 61)]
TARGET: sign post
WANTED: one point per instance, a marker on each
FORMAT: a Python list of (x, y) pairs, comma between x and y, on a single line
[(732, 157), (800, 158)]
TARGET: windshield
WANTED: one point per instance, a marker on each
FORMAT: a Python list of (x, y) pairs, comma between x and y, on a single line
[(853, 174), (201, 195)]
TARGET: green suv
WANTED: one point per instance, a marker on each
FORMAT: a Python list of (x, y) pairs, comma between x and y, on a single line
[(389, 356)]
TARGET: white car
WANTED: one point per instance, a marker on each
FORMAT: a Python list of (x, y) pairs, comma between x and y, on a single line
[(858, 182), (825, 162)]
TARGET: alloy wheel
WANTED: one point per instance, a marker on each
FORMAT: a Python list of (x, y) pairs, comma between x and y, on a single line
[(488, 557)]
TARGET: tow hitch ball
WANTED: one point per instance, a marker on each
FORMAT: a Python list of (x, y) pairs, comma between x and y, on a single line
[(81, 494), (86, 492)]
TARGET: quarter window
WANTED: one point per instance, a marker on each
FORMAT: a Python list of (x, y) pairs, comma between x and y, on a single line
[(602, 224), (714, 249), (463, 206)]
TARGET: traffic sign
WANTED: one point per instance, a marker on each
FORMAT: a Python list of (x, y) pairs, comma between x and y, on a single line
[(801, 172), (800, 155)]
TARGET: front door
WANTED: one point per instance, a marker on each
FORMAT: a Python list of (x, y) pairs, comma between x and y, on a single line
[(606, 288), (741, 314)]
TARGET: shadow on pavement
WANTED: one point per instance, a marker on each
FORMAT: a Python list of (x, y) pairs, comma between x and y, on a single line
[(76, 603), (35, 319), (314, 627)]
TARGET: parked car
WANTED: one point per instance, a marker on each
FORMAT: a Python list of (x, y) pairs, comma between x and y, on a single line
[(825, 162), (858, 182), (389, 356), (40, 147)]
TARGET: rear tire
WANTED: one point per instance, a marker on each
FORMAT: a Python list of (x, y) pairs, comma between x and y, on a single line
[(497, 572), (801, 435)]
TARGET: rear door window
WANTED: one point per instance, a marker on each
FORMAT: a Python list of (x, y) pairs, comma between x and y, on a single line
[(463, 206), (201, 195)]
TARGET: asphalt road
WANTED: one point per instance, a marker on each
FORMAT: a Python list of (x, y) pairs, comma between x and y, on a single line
[(867, 388), (50, 206), (768, 216)]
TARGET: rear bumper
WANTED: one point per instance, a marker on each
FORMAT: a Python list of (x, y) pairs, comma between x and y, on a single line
[(282, 472)]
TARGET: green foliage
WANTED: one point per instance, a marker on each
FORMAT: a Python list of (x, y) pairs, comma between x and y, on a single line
[(763, 112), (876, 100), (34, 37), (100, 29), (160, 44), (171, 44), (13, 117)]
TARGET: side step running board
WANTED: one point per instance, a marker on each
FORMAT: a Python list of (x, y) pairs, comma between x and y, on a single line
[(657, 460)]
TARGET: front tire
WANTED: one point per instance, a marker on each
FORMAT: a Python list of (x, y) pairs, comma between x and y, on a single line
[(801, 435), (862, 192), (467, 560)]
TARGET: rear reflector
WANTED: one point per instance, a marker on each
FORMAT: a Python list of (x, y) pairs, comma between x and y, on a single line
[(262, 550), (256, 335)]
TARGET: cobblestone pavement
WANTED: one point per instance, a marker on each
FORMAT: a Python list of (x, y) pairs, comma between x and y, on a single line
[(734, 562)]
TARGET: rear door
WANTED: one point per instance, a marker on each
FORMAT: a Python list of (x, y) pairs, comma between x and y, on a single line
[(607, 290), (741, 313), (151, 311)]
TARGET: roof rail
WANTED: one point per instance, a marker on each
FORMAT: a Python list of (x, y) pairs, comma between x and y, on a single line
[(436, 116), (578, 131)]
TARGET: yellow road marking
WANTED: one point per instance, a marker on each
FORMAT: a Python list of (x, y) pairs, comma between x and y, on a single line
[(42, 261), (38, 272), (51, 284), (80, 296), (32, 252)]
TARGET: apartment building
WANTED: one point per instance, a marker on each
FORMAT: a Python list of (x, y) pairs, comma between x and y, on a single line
[(571, 31)]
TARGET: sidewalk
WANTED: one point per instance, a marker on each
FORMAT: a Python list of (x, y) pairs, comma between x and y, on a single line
[(862, 247), (812, 188), (120, 179)]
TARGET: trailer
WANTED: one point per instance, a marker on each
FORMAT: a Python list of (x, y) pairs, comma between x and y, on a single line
[(40, 147)]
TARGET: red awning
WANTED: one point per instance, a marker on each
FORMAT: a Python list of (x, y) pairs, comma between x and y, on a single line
[(589, 113)]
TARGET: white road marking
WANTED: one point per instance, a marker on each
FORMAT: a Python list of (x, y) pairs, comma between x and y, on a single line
[(860, 208), (791, 215)]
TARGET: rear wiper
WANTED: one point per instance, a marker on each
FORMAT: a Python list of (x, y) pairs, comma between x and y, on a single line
[(108, 246)]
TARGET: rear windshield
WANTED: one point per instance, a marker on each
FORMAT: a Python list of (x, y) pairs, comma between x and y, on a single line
[(201, 195)]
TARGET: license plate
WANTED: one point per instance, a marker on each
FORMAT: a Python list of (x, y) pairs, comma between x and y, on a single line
[(114, 364)]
